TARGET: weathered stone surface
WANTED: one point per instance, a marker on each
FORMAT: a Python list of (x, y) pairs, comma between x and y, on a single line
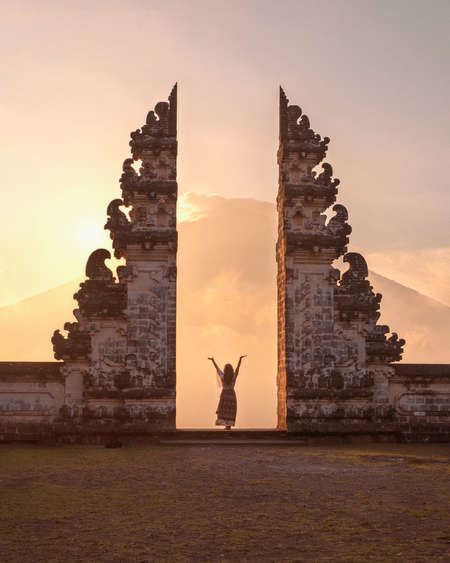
[(420, 394), (31, 394)]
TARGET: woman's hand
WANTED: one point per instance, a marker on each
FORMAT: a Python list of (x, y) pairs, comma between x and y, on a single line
[(241, 357), (212, 359)]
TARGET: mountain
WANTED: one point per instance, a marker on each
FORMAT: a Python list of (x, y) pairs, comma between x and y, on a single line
[(27, 326), (227, 307), (422, 321)]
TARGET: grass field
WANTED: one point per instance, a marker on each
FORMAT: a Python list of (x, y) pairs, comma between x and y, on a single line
[(245, 503)]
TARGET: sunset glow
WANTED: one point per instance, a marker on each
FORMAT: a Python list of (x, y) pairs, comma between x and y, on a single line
[(87, 234), (187, 211)]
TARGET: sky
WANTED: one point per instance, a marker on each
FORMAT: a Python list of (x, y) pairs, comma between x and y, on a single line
[(79, 76)]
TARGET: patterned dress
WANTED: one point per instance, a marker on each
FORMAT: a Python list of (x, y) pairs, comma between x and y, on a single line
[(226, 410)]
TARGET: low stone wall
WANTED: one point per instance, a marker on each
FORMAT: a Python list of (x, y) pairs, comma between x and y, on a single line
[(32, 394), (420, 395), (32, 407), (30, 390)]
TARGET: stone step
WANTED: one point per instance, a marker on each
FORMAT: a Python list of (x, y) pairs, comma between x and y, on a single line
[(232, 442), (235, 437), (221, 434)]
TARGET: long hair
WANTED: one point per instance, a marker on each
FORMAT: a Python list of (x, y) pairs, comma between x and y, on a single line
[(228, 374)]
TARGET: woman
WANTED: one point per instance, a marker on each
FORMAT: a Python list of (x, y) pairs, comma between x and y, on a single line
[(226, 411)]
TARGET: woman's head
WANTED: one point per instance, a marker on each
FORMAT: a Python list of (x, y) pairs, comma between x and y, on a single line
[(228, 373)]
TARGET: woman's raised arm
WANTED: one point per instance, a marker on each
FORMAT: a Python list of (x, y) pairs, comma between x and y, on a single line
[(214, 362), (236, 371)]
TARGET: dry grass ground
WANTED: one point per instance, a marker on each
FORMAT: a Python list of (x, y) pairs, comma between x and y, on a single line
[(149, 503)]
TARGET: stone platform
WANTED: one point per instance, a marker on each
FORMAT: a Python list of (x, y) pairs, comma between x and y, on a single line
[(53, 434), (266, 437)]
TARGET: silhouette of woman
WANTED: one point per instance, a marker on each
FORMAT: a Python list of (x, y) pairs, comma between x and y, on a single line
[(226, 410)]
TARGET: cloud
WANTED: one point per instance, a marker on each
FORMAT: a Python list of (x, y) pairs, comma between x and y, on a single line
[(187, 210)]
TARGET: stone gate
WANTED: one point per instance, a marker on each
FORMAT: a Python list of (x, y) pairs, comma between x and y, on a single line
[(337, 370), (334, 361)]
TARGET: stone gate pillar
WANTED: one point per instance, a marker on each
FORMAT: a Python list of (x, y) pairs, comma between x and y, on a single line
[(149, 246), (328, 379), (120, 354)]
